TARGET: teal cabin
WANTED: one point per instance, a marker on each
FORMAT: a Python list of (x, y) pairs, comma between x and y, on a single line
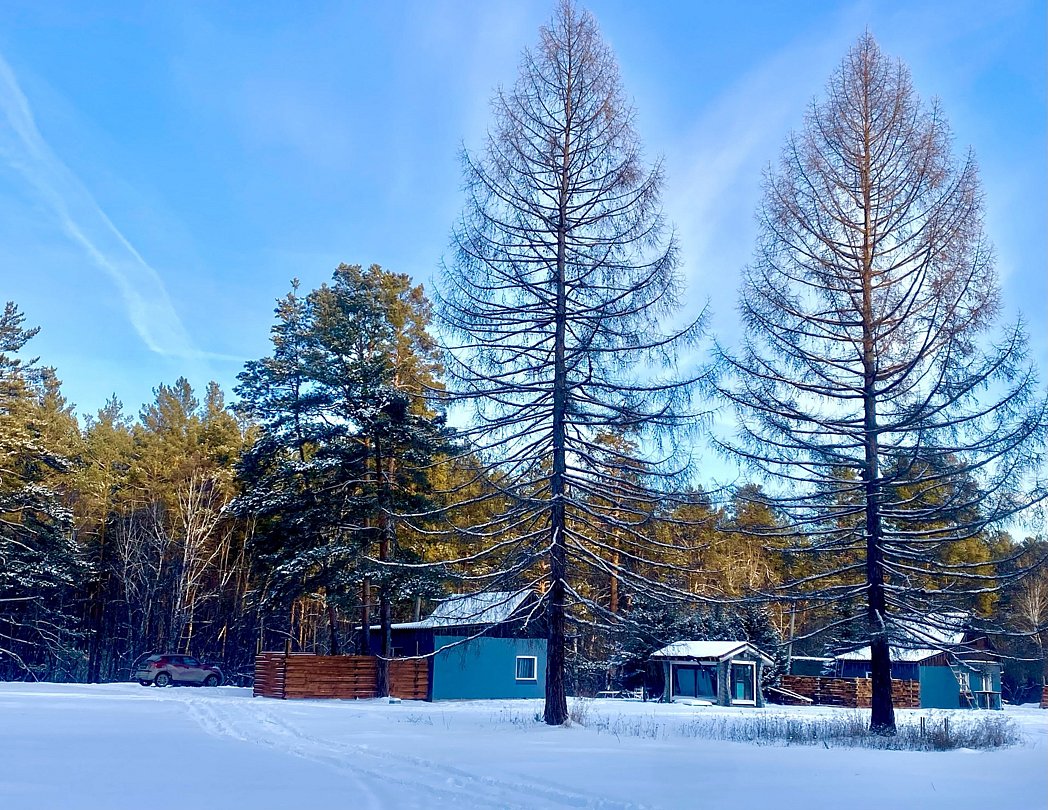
[(720, 673), (948, 679), (956, 667), (480, 646)]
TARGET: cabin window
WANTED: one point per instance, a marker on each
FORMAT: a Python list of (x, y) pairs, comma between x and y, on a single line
[(743, 682), (695, 681), (527, 668)]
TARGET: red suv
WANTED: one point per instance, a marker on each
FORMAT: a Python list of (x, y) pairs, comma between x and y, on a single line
[(164, 670)]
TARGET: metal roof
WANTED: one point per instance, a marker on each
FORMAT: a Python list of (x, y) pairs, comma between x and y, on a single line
[(488, 608), (896, 654), (708, 650)]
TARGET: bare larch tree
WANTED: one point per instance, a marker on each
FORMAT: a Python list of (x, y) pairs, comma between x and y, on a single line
[(563, 271), (864, 385)]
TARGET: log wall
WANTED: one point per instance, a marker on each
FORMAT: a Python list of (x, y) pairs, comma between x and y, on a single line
[(303, 675), (851, 693), (1044, 697)]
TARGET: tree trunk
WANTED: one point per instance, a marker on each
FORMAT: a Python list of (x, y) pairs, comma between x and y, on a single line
[(385, 608), (365, 616), (556, 710), (332, 628), (882, 714)]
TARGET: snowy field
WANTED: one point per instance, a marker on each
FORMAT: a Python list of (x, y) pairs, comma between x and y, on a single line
[(118, 746)]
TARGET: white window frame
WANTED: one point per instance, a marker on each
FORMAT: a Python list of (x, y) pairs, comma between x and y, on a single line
[(753, 682), (534, 668)]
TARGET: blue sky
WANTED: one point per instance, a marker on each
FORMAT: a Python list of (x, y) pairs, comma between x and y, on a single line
[(165, 170)]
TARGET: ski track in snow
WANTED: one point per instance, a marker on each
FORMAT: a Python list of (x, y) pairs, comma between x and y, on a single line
[(424, 780)]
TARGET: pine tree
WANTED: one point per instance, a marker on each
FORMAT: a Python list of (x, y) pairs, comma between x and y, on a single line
[(39, 565), (345, 436)]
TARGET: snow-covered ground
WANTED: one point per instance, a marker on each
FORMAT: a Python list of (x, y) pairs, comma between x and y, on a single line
[(120, 746)]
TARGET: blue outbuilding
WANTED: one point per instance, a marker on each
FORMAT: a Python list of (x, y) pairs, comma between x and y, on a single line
[(486, 645), (956, 667), (723, 673)]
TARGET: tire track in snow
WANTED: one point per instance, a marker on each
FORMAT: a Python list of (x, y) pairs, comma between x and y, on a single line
[(425, 779), (218, 724), (265, 729), (504, 793)]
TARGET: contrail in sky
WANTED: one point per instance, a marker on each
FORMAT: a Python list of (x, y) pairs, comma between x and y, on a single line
[(145, 298)]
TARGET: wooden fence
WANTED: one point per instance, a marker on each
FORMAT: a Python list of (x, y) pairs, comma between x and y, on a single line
[(851, 693), (303, 675)]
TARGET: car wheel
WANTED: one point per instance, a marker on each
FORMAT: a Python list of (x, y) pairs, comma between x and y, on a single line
[(163, 679), (211, 680), (144, 683)]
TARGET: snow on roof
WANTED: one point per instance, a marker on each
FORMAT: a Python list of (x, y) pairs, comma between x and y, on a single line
[(718, 650), (936, 629), (492, 607), (918, 639), (896, 653)]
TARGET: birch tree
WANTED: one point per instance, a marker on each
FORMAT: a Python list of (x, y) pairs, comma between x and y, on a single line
[(563, 273), (866, 385)]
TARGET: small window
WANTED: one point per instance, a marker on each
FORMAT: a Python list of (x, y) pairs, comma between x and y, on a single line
[(527, 668)]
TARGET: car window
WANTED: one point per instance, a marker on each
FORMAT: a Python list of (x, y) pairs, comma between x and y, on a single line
[(191, 662), (174, 660)]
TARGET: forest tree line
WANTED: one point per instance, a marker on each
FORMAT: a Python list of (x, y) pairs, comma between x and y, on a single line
[(891, 432), (180, 529)]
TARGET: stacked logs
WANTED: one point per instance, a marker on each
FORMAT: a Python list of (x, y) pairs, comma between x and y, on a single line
[(851, 693)]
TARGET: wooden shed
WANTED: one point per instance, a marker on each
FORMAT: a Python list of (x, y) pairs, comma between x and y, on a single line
[(722, 673)]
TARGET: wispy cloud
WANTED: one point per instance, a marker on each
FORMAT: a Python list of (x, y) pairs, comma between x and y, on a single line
[(145, 298), (715, 167)]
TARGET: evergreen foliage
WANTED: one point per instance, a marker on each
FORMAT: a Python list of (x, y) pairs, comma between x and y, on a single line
[(345, 436), (39, 565)]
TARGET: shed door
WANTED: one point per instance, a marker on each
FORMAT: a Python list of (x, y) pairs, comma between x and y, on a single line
[(743, 681)]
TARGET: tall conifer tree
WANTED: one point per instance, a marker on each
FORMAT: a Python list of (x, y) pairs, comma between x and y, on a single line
[(865, 385), (564, 270)]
